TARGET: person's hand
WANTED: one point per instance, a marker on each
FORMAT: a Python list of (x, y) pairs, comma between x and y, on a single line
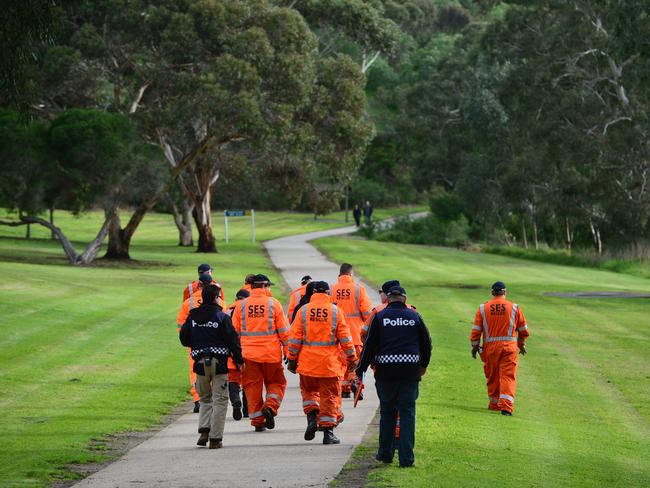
[(242, 366), (292, 365), (475, 350), (352, 366), (423, 371), (522, 348)]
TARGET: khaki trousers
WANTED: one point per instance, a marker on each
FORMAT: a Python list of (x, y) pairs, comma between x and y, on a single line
[(213, 402)]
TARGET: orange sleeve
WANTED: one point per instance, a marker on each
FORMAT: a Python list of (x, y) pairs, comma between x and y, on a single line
[(281, 325), (236, 318), (344, 338), (366, 325), (522, 326), (477, 329), (295, 338), (292, 304), (365, 305), (182, 315)]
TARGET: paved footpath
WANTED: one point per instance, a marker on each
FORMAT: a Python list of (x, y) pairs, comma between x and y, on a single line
[(276, 458)]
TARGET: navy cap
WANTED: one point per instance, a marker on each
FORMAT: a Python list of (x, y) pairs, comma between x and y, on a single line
[(320, 286), (498, 286), (204, 268), (262, 278), (388, 285), (242, 294), (397, 290), (206, 279), (305, 279)]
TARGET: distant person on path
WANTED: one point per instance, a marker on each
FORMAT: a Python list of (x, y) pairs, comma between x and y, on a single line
[(353, 299), (399, 345), (316, 335), (209, 334), (356, 213), (503, 327), (263, 329), (297, 294), (367, 212), (239, 404), (192, 302)]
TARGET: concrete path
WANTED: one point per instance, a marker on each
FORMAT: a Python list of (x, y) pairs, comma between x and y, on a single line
[(277, 458)]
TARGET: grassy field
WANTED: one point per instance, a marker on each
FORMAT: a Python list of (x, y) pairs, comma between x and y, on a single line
[(92, 351), (583, 406)]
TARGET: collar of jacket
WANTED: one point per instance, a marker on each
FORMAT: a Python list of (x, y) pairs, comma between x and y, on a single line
[(346, 279), (320, 298), (258, 292), (396, 305), (498, 297), (210, 306)]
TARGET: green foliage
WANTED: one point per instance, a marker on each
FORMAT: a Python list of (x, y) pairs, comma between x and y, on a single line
[(428, 230)]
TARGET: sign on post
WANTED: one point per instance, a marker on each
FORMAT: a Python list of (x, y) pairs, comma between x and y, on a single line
[(239, 213)]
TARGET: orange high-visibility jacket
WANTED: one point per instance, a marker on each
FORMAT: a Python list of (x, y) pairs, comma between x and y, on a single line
[(294, 299), (353, 299), (499, 321), (316, 333), (191, 303), (262, 326), (194, 286)]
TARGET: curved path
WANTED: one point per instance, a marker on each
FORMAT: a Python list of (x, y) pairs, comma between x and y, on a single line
[(277, 458)]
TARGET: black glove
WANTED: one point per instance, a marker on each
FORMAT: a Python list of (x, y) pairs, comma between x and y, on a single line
[(522, 348), (475, 350), (292, 365)]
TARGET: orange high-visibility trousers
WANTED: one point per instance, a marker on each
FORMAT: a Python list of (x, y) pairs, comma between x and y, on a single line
[(195, 395), (500, 362), (321, 394), (270, 376)]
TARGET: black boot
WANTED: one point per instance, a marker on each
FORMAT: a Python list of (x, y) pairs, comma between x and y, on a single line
[(310, 433), (235, 401), (329, 437), (244, 409), (203, 439)]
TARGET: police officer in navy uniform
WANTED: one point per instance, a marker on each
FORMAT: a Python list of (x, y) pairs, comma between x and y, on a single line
[(399, 345), (208, 331)]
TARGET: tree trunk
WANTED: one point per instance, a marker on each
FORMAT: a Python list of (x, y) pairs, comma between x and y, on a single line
[(52, 234), (119, 240), (118, 244), (569, 235), (207, 242), (535, 239), (598, 243), (86, 257), (183, 221), (524, 238)]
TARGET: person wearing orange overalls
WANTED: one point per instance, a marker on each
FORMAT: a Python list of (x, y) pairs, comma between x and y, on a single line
[(263, 329), (297, 294), (503, 327), (239, 404), (192, 302), (316, 334), (193, 286), (353, 299)]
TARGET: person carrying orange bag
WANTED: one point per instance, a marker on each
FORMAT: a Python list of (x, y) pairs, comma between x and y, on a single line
[(316, 334), (503, 327)]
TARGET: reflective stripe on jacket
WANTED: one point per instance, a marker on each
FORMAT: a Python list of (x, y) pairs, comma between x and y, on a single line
[(262, 326), (353, 299), (499, 321), (316, 333)]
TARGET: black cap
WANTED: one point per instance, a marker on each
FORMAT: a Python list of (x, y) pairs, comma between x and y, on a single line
[(206, 279), (242, 294), (320, 286), (498, 286), (261, 278), (388, 285), (305, 279), (204, 268), (397, 290)]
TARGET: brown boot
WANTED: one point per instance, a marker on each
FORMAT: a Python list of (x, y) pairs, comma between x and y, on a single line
[(203, 439), (215, 444)]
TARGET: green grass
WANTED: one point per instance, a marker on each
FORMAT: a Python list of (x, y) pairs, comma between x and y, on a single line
[(90, 351), (583, 405), (636, 267)]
